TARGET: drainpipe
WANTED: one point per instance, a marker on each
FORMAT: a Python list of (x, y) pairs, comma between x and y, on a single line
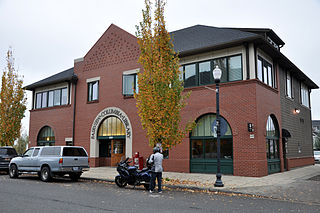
[(74, 80)]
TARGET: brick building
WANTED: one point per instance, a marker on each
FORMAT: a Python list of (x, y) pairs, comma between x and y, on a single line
[(92, 104)]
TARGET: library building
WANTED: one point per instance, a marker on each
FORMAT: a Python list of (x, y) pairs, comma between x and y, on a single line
[(264, 103)]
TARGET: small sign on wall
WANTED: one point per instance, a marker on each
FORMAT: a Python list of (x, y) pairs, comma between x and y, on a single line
[(252, 136)]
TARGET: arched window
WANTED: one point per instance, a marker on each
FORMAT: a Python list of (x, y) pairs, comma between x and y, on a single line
[(272, 136), (111, 126), (204, 146), (272, 145), (46, 137)]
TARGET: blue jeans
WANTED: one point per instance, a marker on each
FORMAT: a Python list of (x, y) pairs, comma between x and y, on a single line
[(155, 175)]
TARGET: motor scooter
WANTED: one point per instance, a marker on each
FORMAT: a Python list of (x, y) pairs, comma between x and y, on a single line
[(132, 176)]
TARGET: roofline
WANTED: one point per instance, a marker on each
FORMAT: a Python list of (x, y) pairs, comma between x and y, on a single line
[(31, 87), (219, 46), (280, 41), (257, 39)]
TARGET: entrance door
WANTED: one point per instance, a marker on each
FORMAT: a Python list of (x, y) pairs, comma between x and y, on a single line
[(118, 151)]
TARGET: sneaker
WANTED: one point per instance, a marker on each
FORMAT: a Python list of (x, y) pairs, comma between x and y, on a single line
[(151, 191), (160, 192)]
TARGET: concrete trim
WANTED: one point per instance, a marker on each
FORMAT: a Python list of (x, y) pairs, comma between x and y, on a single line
[(93, 79), (107, 112), (78, 60), (130, 72)]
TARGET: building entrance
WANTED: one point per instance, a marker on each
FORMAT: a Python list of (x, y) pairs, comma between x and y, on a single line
[(112, 141), (111, 151)]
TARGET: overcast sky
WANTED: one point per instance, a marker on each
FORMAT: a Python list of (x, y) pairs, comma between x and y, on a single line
[(47, 35)]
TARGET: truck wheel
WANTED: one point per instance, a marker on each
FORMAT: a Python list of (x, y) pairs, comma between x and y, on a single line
[(13, 171), (75, 176), (120, 181), (45, 174)]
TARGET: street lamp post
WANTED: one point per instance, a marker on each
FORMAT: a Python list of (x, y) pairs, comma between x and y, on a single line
[(217, 76)]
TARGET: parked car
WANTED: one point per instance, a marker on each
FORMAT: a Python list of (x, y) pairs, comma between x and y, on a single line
[(6, 154), (316, 155), (50, 161)]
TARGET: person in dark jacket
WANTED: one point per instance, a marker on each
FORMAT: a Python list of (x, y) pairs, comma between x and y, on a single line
[(156, 158)]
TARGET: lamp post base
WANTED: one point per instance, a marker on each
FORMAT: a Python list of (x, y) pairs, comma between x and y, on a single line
[(218, 182)]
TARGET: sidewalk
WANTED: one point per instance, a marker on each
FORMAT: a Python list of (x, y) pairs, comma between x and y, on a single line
[(294, 185)]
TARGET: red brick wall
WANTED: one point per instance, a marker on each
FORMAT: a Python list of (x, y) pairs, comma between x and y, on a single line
[(58, 118), (297, 162)]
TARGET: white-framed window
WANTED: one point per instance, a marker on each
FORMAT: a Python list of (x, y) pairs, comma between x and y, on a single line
[(130, 84), (93, 91), (51, 98), (289, 85), (304, 95), (265, 72)]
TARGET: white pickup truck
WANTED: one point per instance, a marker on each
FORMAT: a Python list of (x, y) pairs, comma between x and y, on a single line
[(49, 161)]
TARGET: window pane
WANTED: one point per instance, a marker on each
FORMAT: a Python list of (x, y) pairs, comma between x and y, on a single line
[(271, 149), (95, 90), (181, 73), (222, 64), (57, 95), (304, 95), (64, 99), (90, 92), (197, 149), (226, 148), (137, 85), (259, 71), (270, 79), (265, 75), (38, 101), (190, 75), (44, 99), (205, 73), (211, 149), (235, 68), (50, 100), (118, 147), (289, 94), (35, 152), (128, 84)]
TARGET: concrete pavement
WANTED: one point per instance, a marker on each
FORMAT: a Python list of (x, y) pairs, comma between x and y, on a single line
[(301, 184)]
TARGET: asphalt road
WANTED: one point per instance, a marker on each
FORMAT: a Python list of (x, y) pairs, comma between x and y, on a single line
[(29, 194)]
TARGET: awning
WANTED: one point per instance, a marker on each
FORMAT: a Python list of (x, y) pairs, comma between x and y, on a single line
[(286, 133)]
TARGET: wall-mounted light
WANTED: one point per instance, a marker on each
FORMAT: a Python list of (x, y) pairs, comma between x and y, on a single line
[(250, 127), (296, 111)]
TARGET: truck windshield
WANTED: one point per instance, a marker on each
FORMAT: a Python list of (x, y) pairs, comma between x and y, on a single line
[(72, 151)]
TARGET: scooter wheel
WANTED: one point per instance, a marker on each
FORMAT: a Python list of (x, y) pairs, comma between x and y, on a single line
[(120, 182)]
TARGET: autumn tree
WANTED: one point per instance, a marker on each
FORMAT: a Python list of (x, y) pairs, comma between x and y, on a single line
[(160, 98), (12, 103), (21, 144)]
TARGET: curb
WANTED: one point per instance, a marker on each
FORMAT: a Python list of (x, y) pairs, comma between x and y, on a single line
[(179, 186)]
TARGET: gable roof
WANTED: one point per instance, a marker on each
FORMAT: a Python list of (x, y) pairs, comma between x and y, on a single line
[(66, 75), (201, 38)]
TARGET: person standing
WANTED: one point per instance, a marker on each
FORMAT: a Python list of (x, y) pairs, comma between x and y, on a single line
[(156, 171)]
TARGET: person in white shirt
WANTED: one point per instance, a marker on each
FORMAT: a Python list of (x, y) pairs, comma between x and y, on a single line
[(156, 158)]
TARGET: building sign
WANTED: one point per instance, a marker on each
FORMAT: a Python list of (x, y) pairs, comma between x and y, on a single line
[(111, 112)]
